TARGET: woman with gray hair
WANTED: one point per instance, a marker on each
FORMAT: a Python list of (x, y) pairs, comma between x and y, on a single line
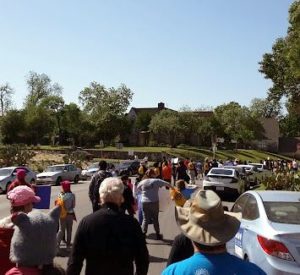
[(109, 240)]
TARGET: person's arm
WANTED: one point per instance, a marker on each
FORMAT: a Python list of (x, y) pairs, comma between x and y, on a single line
[(141, 251), (92, 186), (165, 183), (78, 253)]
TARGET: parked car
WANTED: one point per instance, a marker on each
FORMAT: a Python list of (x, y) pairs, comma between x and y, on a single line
[(224, 181), (90, 171), (128, 167), (242, 173), (260, 167), (8, 175), (56, 173), (269, 235)]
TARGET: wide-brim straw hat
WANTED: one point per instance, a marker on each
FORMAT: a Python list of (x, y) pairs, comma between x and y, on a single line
[(204, 221)]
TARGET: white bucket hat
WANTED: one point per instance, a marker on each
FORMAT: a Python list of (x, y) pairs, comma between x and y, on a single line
[(204, 221)]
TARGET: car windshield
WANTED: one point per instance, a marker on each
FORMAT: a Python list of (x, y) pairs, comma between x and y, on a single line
[(5, 172), (94, 165), (283, 212), (54, 168), (125, 164), (226, 172)]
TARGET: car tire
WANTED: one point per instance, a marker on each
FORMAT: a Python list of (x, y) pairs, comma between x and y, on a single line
[(76, 179), (58, 181), (7, 186)]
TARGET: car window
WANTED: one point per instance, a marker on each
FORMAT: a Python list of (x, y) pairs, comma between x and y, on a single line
[(72, 168), (283, 212), (5, 172), (240, 204), (221, 172), (251, 211)]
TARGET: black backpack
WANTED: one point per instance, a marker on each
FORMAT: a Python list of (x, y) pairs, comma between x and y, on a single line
[(101, 175)]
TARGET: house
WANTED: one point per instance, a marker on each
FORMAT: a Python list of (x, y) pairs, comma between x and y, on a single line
[(270, 142), (142, 138)]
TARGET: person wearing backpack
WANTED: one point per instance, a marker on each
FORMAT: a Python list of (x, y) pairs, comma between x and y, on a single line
[(95, 184), (66, 200)]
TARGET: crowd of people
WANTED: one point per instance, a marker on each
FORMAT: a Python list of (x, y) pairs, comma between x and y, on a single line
[(111, 240)]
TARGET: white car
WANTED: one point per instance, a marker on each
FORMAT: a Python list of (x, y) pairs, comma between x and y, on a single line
[(56, 173), (260, 167), (8, 175), (224, 181), (90, 171), (269, 234)]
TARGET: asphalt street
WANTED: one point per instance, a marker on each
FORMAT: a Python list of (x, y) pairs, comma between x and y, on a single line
[(159, 250)]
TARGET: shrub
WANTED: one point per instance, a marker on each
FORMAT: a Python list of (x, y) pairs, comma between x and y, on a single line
[(15, 154), (282, 181)]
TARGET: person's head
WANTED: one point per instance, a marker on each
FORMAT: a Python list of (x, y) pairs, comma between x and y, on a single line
[(124, 179), (180, 184), (22, 198), (21, 173), (111, 191), (102, 165), (204, 221), (34, 239), (66, 186)]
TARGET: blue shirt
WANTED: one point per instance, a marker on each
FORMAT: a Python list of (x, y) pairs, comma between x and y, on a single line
[(213, 264), (149, 189)]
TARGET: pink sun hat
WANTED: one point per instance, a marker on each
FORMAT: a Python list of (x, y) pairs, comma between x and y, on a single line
[(21, 195)]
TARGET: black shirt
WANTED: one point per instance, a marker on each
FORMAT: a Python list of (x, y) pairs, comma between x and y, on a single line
[(110, 242), (182, 249)]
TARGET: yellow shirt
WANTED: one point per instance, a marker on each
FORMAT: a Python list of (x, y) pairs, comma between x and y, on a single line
[(177, 197)]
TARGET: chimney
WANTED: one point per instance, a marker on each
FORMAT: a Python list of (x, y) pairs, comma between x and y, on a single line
[(161, 106)]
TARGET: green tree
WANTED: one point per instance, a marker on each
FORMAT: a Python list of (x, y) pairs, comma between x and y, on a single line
[(40, 86), (6, 93), (282, 66), (188, 122), (238, 123), (13, 127), (290, 125), (142, 121), (260, 107), (106, 108), (166, 123), (39, 125), (54, 105)]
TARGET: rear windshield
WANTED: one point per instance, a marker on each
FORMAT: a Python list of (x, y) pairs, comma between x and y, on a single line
[(283, 212), (220, 172)]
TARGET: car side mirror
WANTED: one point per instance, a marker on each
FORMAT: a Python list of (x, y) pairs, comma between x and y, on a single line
[(225, 208)]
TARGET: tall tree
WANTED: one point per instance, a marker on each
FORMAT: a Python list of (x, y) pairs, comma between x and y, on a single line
[(237, 122), (260, 107), (282, 66), (13, 127), (106, 107), (6, 93), (166, 123), (39, 87)]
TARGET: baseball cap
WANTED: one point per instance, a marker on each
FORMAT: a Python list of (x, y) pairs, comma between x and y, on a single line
[(21, 195)]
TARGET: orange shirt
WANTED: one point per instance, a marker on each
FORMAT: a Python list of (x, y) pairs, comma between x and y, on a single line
[(166, 172)]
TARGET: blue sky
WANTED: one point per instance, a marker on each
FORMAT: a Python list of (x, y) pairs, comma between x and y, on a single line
[(185, 53)]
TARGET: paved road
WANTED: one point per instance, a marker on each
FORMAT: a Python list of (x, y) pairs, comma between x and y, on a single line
[(159, 250)]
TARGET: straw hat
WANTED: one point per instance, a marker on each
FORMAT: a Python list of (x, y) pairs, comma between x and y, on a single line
[(204, 221)]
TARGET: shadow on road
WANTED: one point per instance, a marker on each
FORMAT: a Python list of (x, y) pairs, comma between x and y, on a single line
[(154, 259)]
